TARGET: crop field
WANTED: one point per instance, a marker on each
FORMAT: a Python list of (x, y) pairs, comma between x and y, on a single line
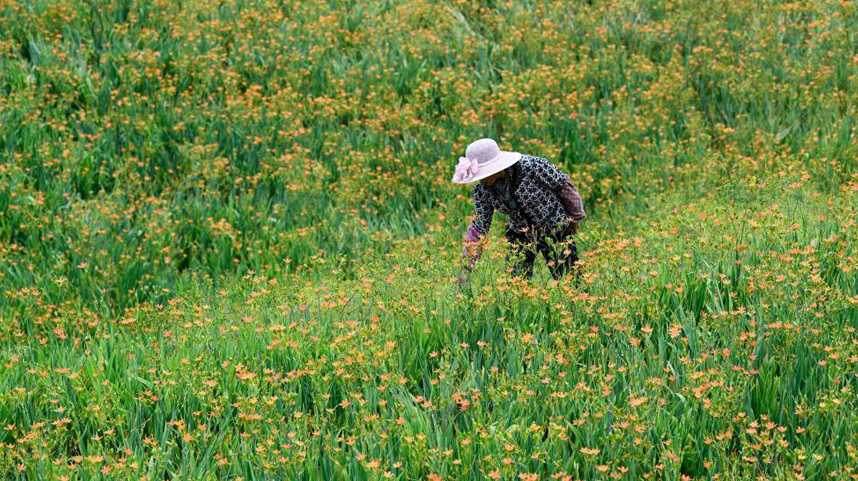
[(229, 240)]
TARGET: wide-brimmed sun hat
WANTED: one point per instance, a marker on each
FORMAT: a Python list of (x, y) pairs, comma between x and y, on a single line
[(482, 159)]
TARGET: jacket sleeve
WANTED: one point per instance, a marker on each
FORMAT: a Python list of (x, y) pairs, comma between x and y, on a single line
[(484, 210)]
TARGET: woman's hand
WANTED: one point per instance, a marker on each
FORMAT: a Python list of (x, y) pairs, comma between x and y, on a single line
[(471, 253), (463, 278), (472, 249)]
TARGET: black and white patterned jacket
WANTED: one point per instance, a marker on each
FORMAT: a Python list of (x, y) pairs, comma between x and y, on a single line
[(536, 194)]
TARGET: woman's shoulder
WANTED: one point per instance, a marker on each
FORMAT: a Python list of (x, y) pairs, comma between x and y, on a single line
[(535, 162), (532, 159)]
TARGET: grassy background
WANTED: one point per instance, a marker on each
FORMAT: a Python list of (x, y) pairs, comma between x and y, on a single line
[(228, 236)]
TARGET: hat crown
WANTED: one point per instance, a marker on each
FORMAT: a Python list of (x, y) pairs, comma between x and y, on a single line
[(482, 150)]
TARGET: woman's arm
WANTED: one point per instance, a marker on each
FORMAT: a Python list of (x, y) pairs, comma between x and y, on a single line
[(572, 202)]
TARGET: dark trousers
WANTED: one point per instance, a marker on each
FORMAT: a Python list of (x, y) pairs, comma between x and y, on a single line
[(557, 248)]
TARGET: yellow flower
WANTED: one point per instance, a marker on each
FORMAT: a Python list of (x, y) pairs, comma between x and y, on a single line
[(589, 451)]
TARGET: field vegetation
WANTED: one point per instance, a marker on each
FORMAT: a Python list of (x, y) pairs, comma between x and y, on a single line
[(228, 241)]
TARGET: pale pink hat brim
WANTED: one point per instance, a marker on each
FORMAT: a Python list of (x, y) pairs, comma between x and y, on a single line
[(500, 162)]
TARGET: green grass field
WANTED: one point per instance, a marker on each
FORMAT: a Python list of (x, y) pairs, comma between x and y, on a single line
[(228, 241)]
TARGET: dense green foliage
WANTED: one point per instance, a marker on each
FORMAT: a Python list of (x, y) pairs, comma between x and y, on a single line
[(228, 239)]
